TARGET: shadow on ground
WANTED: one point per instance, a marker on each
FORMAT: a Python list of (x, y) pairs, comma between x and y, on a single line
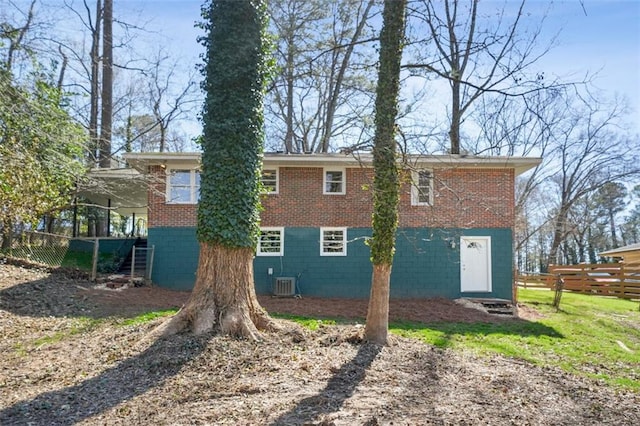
[(340, 387), (129, 378), (60, 294)]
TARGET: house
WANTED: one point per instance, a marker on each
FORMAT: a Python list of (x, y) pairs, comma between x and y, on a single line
[(628, 254), (456, 219)]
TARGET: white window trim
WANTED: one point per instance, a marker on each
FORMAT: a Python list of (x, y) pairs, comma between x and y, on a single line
[(414, 188), (344, 241), (277, 169), (259, 247), (324, 180), (192, 185)]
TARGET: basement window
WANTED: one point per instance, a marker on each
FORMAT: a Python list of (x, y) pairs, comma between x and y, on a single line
[(271, 242), (333, 241)]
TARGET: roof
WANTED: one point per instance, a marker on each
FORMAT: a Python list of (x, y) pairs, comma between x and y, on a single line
[(621, 250), (123, 189), (519, 164)]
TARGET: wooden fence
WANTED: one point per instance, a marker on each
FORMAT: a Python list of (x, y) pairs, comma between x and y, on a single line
[(605, 279)]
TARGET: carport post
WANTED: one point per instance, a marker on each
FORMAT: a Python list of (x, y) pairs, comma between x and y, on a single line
[(94, 267), (109, 217)]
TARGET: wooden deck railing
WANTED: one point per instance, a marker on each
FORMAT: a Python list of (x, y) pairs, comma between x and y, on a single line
[(607, 279)]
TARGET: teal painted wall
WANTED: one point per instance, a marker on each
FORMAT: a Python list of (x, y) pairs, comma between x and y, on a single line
[(175, 257), (425, 265), (327, 276)]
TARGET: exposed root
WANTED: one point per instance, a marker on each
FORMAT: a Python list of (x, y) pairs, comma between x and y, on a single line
[(204, 320), (237, 323), (174, 325), (223, 299), (264, 322)]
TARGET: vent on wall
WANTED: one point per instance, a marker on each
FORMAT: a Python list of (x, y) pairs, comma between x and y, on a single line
[(284, 286)]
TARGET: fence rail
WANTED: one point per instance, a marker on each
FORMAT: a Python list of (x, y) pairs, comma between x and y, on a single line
[(39, 247), (52, 250), (535, 280), (618, 279)]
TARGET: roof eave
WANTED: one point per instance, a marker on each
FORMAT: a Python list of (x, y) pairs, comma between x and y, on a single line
[(520, 164)]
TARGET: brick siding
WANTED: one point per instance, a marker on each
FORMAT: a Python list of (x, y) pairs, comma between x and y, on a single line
[(463, 198)]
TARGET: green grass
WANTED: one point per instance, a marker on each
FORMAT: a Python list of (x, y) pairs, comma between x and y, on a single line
[(310, 323), (84, 325), (586, 337), (147, 317), (78, 259), (79, 326), (84, 260)]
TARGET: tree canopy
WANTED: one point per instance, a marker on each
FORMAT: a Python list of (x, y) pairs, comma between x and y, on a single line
[(40, 151)]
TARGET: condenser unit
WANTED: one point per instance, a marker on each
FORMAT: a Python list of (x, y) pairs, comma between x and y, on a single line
[(284, 286)]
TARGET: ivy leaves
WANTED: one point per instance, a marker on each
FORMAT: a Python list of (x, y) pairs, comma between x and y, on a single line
[(235, 70)]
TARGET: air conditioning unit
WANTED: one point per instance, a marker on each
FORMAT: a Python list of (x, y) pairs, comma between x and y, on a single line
[(284, 286)]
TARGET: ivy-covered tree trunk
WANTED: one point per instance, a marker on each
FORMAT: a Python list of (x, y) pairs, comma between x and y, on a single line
[(385, 183), (224, 298)]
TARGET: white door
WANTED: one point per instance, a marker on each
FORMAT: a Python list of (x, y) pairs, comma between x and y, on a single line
[(475, 264)]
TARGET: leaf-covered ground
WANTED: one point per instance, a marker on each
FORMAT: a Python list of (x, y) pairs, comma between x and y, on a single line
[(69, 357)]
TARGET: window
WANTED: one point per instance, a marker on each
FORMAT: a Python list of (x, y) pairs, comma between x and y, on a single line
[(271, 242), (422, 188), (334, 181), (333, 241), (183, 186), (270, 181)]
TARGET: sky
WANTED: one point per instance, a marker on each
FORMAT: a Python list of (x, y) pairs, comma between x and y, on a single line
[(598, 39)]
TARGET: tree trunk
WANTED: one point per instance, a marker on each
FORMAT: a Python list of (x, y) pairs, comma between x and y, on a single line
[(163, 137), (456, 117), (385, 182), (7, 235), (95, 85), (612, 224), (558, 233), (223, 299), (63, 68), (378, 309), (334, 92), (15, 44), (107, 86), (288, 138), (128, 134)]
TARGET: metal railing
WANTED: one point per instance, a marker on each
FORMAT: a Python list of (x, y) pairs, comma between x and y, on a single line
[(138, 270)]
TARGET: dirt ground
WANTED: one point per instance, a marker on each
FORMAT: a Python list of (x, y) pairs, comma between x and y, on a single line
[(68, 357)]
